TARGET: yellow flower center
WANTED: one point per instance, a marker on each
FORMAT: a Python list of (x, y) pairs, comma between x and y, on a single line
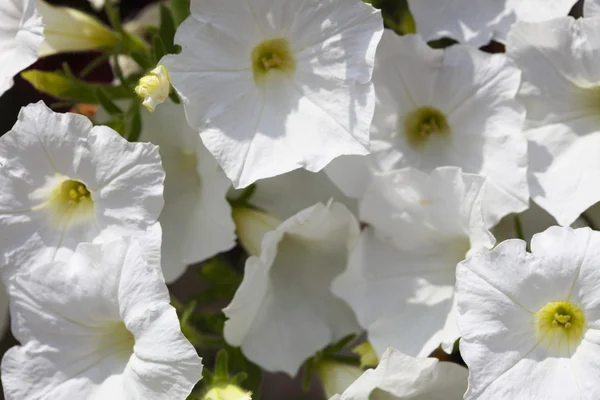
[(421, 123), (269, 55), (560, 325), (70, 200)]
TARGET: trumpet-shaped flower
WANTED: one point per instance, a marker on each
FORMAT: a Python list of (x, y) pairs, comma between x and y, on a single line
[(277, 85), (65, 181), (98, 326), (286, 290), (399, 376), (561, 91), (435, 108), (20, 38), (530, 322), (196, 218), (420, 227), (478, 23)]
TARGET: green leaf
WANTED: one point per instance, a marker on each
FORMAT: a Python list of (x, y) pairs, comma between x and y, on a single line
[(135, 125), (59, 85), (167, 29), (113, 16), (222, 366), (180, 10), (158, 48), (106, 102), (143, 59), (174, 96)]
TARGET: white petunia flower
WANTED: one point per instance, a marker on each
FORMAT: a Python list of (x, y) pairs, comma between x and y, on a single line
[(98, 326), (65, 181), (287, 289), (21, 35), (420, 227), (285, 195), (277, 85), (399, 376), (530, 322), (478, 23), (591, 8), (67, 30), (196, 218), (435, 108), (562, 94)]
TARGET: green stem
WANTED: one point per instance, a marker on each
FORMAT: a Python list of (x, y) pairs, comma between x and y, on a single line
[(519, 227)]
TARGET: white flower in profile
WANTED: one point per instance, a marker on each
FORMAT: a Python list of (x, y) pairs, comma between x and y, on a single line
[(287, 289), (452, 107), (69, 30), (399, 376), (65, 182), (420, 227), (98, 326), (478, 23), (20, 38), (530, 322), (289, 81), (196, 218), (561, 90)]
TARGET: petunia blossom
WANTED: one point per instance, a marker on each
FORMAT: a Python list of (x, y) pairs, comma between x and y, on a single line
[(286, 289), (436, 108), (561, 92), (277, 85), (65, 181), (478, 23), (98, 326), (400, 277), (196, 218), (530, 322), (21, 36), (399, 377)]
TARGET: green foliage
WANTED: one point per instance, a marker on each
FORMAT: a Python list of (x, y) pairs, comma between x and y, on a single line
[(180, 10), (396, 15), (67, 87)]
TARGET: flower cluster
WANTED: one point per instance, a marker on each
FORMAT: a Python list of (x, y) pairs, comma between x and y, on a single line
[(397, 198)]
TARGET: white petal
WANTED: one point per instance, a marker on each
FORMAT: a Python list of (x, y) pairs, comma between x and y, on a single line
[(402, 270), (20, 39), (401, 376), (475, 92), (95, 327), (286, 194), (559, 83), (498, 295), (43, 149), (286, 289), (303, 120), (196, 219), (476, 24)]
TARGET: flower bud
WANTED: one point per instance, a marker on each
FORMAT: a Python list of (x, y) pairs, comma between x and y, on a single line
[(154, 87), (227, 392), (251, 226), (68, 30), (336, 376)]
